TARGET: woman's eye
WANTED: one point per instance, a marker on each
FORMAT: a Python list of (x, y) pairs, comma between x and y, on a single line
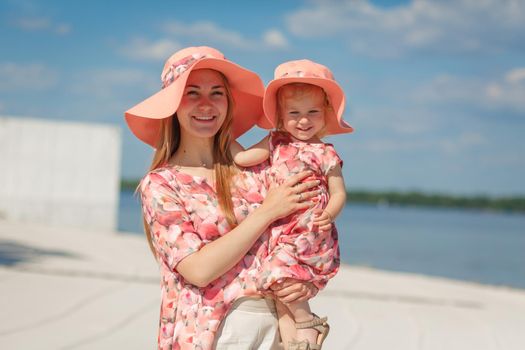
[(218, 93), (192, 93)]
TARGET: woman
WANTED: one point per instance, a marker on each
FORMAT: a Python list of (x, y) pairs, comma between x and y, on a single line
[(203, 216)]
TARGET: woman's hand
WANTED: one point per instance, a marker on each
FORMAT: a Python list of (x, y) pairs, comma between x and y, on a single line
[(290, 197), (292, 290)]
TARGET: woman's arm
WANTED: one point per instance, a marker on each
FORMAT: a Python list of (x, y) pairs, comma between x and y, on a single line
[(217, 257), (337, 201), (254, 155)]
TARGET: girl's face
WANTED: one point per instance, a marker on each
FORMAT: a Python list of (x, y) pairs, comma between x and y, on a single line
[(303, 116), (204, 104)]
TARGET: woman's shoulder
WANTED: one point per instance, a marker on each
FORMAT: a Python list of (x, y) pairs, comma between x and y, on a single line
[(161, 176)]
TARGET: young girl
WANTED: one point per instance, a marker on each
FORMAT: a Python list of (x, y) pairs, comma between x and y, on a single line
[(305, 103)]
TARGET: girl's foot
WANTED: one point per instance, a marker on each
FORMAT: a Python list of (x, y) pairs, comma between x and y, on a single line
[(320, 328), (308, 334)]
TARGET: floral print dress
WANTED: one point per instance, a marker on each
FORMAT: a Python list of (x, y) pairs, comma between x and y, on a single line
[(183, 214), (297, 248)]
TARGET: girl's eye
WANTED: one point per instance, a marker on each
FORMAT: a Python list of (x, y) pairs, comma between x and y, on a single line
[(293, 113), (313, 111), (218, 93), (192, 93)]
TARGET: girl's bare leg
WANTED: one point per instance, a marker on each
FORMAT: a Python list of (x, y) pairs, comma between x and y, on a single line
[(286, 323), (300, 312)]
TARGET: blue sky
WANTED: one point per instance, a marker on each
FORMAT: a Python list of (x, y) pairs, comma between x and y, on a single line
[(435, 89)]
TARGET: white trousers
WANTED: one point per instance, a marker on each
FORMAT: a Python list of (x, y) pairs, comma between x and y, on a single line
[(251, 324)]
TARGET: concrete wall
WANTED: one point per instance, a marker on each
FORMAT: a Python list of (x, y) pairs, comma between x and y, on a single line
[(59, 173)]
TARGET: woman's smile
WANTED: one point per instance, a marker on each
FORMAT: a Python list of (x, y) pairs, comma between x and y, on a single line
[(204, 119)]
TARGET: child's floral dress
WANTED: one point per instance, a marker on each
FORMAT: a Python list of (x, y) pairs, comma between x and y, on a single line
[(297, 248)]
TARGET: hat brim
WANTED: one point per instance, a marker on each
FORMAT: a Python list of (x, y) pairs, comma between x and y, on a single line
[(333, 119), (144, 119)]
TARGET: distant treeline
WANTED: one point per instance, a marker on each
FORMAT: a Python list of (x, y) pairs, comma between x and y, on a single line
[(508, 204), (516, 204), (128, 184)]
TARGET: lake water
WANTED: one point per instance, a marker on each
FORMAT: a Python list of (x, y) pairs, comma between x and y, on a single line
[(468, 245)]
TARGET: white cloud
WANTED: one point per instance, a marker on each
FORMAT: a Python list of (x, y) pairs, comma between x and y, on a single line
[(465, 140), (509, 158), (274, 38), (504, 92), (494, 91), (143, 49), (428, 25), (209, 32), (34, 76), (516, 75), (31, 24), (104, 94), (108, 83), (391, 145), (451, 88), (407, 121), (41, 24), (457, 144), (63, 29)]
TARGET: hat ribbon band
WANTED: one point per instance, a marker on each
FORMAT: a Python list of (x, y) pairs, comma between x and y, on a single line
[(176, 69), (306, 74), (300, 74)]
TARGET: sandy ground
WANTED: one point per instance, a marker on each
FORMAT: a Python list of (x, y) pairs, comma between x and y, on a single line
[(76, 289)]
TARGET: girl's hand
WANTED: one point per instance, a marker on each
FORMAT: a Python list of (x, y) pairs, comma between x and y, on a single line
[(292, 290), (323, 219), (290, 197)]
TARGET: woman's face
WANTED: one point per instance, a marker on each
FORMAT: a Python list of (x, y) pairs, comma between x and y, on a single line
[(204, 104)]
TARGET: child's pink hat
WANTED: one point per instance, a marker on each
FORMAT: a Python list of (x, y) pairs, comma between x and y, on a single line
[(306, 71), (247, 89)]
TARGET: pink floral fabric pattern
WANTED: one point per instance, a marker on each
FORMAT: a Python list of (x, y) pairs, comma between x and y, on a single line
[(297, 249), (183, 214), (179, 67)]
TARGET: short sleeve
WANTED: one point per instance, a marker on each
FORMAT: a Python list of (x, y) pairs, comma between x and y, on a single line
[(260, 173), (172, 231), (330, 159)]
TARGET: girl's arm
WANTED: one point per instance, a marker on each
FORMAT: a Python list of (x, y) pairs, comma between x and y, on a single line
[(216, 258), (337, 201), (254, 155), (337, 190)]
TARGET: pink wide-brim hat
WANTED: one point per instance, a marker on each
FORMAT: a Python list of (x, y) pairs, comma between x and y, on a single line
[(247, 89), (307, 72)]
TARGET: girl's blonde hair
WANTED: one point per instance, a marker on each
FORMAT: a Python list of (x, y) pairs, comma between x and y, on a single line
[(296, 91), (168, 144)]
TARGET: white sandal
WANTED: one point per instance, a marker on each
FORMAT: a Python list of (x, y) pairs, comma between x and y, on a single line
[(320, 325)]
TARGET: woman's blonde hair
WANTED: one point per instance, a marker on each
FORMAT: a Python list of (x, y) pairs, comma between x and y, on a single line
[(296, 91), (224, 170)]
